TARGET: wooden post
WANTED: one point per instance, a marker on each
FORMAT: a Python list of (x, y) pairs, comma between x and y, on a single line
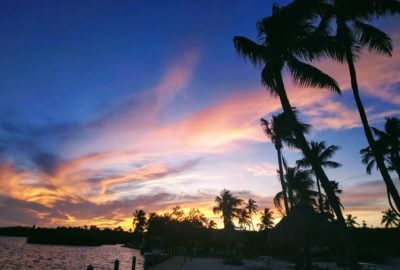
[(133, 263), (90, 267), (116, 264)]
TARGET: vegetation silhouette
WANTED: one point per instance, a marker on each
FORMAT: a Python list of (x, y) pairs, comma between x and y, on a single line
[(251, 208), (390, 219), (352, 33), (321, 154), (388, 141), (278, 131), (228, 207), (286, 37)]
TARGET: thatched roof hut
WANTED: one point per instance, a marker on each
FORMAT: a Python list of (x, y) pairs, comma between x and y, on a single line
[(303, 226)]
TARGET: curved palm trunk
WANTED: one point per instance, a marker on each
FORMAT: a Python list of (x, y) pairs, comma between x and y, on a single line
[(285, 198), (368, 134), (320, 173)]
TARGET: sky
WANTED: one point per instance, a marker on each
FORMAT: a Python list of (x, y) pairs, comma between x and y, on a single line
[(110, 107)]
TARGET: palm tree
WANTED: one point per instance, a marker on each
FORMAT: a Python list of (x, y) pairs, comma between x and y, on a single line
[(352, 33), (351, 221), (228, 206), (251, 208), (278, 131), (322, 154), (300, 186), (139, 221), (388, 142), (272, 131), (267, 219), (244, 219), (390, 219), (286, 37)]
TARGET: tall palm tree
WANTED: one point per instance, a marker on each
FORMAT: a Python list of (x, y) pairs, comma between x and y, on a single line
[(267, 219), (390, 219), (274, 131), (251, 208), (353, 33), (388, 141), (286, 37), (322, 154), (279, 130), (228, 206), (351, 221)]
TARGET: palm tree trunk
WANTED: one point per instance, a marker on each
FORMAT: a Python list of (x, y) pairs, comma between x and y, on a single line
[(320, 173), (321, 208), (285, 198), (252, 225), (368, 134)]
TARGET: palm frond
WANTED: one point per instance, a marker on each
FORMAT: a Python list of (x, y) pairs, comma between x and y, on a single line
[(306, 75), (249, 50), (268, 79), (375, 39)]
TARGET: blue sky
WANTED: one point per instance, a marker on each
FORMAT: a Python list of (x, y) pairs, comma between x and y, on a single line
[(109, 107)]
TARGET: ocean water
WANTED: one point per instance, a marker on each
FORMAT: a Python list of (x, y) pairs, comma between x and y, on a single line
[(15, 253)]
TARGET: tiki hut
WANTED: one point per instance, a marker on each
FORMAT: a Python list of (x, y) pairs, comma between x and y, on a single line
[(301, 229)]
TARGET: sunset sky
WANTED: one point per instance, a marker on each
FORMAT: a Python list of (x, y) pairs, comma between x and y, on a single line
[(106, 108)]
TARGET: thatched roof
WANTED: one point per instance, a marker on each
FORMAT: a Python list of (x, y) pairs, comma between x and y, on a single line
[(302, 225)]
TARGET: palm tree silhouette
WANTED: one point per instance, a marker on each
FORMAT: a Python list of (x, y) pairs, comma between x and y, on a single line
[(300, 186), (328, 211), (139, 221), (275, 131), (351, 221), (251, 208), (388, 141), (286, 37), (244, 219), (352, 33), (390, 219), (267, 219), (322, 154), (228, 206), (279, 130)]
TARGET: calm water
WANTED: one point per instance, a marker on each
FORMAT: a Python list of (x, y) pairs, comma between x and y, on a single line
[(15, 253)]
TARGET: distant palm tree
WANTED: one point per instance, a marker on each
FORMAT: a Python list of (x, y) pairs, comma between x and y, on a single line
[(388, 141), (286, 38), (321, 154), (139, 221), (353, 32), (244, 219), (351, 221), (300, 184), (228, 206), (267, 219), (280, 130), (390, 219), (251, 208)]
